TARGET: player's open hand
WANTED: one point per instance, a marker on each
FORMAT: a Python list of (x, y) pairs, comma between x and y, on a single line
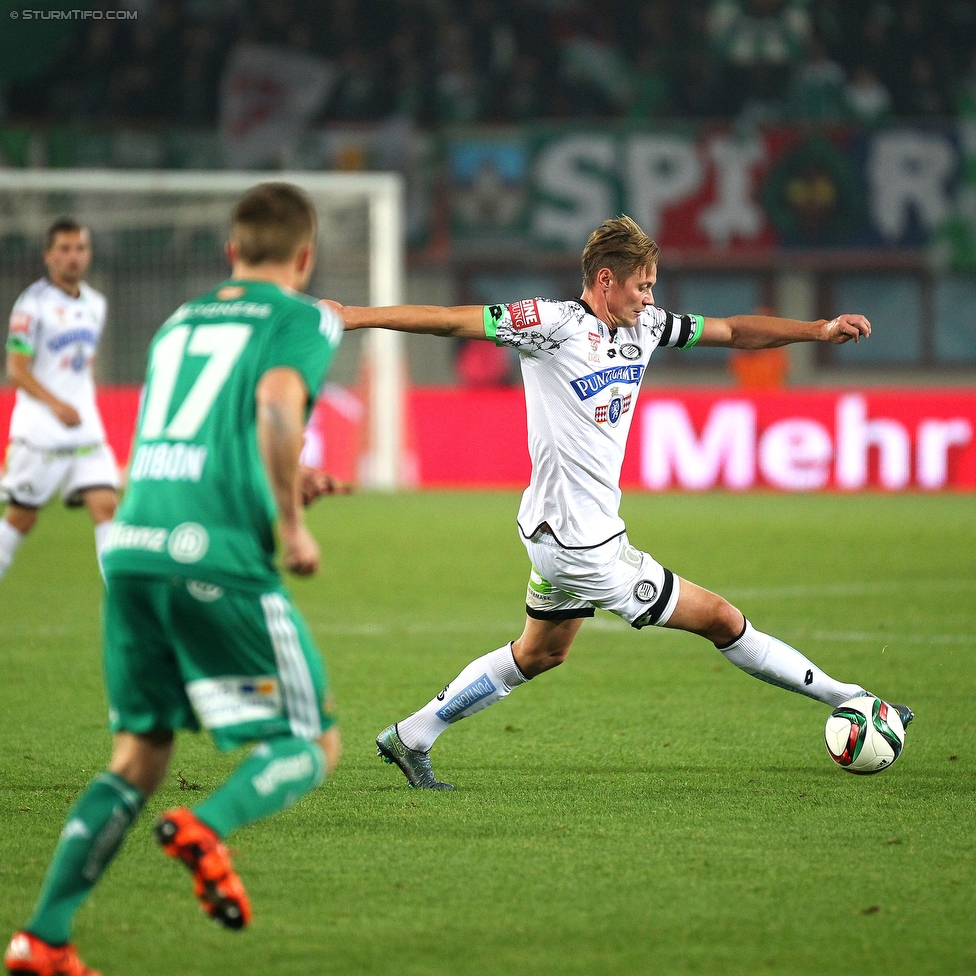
[(315, 483), (66, 414), (847, 327), (300, 551)]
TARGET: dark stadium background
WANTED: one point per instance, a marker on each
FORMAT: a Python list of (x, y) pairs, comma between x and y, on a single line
[(803, 157)]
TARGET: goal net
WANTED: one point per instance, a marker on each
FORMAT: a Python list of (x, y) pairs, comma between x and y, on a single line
[(158, 239)]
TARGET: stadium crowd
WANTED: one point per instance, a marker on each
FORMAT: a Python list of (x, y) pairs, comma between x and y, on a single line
[(438, 62)]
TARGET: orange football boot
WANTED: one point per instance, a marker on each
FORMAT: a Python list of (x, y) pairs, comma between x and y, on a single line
[(215, 883), (27, 955)]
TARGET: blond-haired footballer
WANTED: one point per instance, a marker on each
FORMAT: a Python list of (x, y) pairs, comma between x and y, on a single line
[(582, 365)]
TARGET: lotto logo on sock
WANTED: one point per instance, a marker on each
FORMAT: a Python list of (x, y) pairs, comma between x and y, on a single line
[(477, 691)]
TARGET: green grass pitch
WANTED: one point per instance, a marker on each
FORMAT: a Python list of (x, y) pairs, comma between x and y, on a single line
[(646, 808)]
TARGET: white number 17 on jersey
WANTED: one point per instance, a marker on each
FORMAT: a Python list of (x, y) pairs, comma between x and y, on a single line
[(223, 344)]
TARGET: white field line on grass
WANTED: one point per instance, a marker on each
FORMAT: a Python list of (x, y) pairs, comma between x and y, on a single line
[(609, 623), (22, 629), (606, 623), (890, 639), (844, 589), (844, 637)]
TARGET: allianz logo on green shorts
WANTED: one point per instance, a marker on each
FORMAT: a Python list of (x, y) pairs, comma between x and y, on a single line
[(187, 543)]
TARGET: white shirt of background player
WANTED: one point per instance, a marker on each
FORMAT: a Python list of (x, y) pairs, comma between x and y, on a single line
[(54, 330)]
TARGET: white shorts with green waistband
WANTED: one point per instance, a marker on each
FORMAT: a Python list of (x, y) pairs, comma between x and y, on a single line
[(34, 474), (567, 583)]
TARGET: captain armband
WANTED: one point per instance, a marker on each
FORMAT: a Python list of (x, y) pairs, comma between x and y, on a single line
[(695, 324), (18, 345)]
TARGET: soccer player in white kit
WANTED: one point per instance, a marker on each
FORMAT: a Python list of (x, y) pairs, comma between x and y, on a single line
[(582, 365), (57, 441)]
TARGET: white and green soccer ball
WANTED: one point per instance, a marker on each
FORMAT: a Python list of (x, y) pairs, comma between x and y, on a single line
[(864, 735)]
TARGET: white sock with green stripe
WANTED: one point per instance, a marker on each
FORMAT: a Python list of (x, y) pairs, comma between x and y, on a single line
[(775, 662), (482, 683), (10, 540)]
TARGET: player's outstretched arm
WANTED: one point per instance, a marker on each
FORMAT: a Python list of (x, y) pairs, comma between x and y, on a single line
[(459, 321), (766, 331), (281, 399), (20, 374)]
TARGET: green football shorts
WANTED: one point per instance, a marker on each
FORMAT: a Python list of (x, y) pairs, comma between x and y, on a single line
[(183, 654)]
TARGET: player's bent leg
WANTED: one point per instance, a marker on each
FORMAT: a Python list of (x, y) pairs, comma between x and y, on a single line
[(761, 655), (93, 834), (553, 619), (271, 778), (545, 643), (100, 503), (777, 663), (274, 776), (23, 518), (331, 745), (17, 521), (143, 759), (215, 883), (485, 681), (96, 826), (701, 612)]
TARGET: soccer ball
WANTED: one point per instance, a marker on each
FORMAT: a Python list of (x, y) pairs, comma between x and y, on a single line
[(864, 735)]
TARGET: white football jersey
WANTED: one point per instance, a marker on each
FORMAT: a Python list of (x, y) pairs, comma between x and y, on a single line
[(61, 335), (581, 385)]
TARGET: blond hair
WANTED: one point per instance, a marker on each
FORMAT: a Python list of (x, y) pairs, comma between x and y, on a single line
[(271, 222), (621, 246)]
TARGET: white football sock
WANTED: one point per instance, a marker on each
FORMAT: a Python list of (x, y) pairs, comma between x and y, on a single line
[(101, 537), (771, 660), (482, 683), (10, 540)]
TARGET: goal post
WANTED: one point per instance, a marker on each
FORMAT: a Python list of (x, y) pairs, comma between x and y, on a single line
[(158, 239)]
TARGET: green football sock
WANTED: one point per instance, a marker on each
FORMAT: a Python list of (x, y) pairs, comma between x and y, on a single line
[(91, 837), (273, 777)]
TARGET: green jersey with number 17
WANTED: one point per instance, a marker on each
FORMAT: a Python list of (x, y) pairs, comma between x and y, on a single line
[(198, 503)]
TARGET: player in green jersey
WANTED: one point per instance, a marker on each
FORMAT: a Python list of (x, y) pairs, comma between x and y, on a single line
[(198, 629)]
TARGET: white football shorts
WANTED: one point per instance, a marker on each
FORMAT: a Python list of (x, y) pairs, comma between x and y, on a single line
[(34, 474), (566, 583)]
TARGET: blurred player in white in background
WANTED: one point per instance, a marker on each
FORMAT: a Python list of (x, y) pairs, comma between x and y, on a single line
[(57, 441)]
